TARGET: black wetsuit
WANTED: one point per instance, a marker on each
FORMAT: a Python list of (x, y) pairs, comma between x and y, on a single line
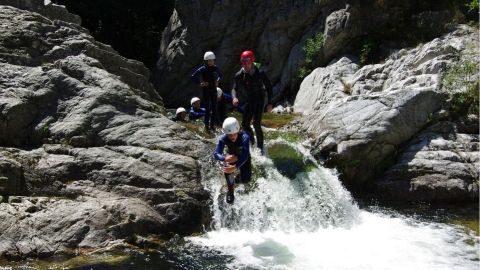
[(209, 74), (250, 90)]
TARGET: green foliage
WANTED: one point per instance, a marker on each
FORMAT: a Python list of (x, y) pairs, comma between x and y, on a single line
[(472, 5), (312, 49), (462, 86), (367, 52)]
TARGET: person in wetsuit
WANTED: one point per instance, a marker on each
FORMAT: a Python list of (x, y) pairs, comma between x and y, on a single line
[(208, 76), (237, 156), (250, 85)]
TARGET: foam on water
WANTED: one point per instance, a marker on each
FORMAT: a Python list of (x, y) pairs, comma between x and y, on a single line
[(311, 222)]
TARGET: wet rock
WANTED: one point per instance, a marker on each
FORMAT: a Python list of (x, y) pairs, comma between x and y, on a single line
[(359, 119), (84, 136), (65, 225), (435, 167)]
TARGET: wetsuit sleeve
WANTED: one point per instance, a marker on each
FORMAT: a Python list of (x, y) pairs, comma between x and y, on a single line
[(196, 74), (227, 96), (268, 87), (234, 88), (196, 114), (220, 76), (218, 154), (245, 151)]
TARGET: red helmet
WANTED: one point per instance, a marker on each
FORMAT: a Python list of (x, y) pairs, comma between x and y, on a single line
[(247, 57)]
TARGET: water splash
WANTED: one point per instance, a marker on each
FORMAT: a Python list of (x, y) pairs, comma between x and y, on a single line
[(310, 221)]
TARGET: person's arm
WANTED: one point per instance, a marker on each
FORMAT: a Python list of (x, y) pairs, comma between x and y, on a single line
[(220, 76), (268, 87), (227, 96), (197, 74), (234, 92), (218, 154), (245, 151)]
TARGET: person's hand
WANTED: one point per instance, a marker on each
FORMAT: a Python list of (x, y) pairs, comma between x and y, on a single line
[(229, 169), (203, 84), (269, 107), (231, 159), (235, 102)]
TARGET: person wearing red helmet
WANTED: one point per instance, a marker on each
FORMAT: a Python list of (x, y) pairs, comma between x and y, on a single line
[(250, 85)]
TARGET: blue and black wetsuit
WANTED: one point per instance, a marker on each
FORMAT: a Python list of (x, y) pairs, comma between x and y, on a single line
[(250, 88), (211, 75), (196, 113), (239, 148)]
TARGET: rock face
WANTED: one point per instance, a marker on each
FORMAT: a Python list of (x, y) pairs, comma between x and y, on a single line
[(83, 135), (277, 32), (360, 119), (439, 165)]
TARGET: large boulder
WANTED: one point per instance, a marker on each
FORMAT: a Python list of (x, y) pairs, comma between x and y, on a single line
[(277, 32), (439, 165), (82, 124), (359, 119)]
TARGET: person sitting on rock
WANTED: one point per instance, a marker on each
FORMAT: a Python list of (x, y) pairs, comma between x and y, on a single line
[(237, 157), (196, 112), (207, 76), (180, 115)]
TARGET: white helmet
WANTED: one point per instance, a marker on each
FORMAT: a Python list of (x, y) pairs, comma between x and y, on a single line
[(180, 110), (193, 100), (230, 126), (219, 92), (209, 56)]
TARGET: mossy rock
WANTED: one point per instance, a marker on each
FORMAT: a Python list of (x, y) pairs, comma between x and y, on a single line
[(288, 161), (270, 120), (288, 136)]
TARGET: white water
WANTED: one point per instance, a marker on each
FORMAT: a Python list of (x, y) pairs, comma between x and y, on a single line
[(311, 222)]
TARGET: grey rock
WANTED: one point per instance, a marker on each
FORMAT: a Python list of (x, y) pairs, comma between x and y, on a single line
[(62, 226), (435, 167), (361, 131), (12, 181), (325, 84), (51, 11), (83, 135)]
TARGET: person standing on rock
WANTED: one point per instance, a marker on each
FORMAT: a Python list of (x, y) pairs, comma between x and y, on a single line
[(207, 76), (237, 157), (250, 85)]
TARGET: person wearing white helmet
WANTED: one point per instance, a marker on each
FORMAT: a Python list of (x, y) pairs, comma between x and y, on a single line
[(208, 76), (180, 114), (237, 156), (196, 111)]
